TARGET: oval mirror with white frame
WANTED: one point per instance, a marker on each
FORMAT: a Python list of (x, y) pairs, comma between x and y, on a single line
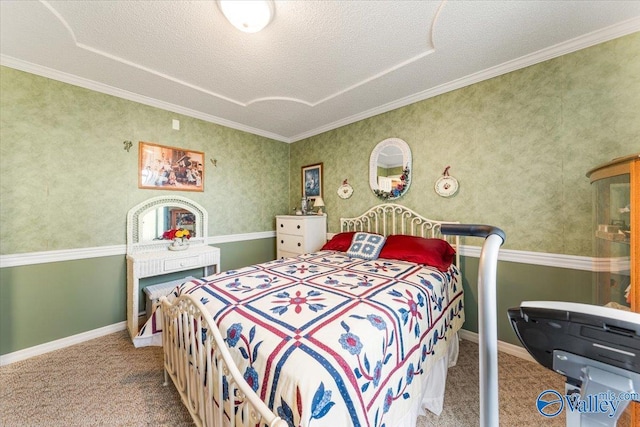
[(390, 168), (147, 222)]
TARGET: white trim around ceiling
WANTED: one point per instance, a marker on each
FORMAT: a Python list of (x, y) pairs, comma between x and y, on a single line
[(72, 79), (578, 43), (596, 37)]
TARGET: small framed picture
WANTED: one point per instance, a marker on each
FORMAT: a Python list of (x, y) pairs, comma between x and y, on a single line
[(312, 181), (170, 168)]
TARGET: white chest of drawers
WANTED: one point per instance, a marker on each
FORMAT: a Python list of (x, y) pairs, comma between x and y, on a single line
[(300, 234)]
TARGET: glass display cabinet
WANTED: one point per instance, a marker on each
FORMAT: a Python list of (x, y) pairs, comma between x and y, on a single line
[(612, 233), (616, 233)]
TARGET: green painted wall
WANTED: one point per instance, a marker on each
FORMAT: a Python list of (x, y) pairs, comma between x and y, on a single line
[(522, 282), (66, 182), (45, 302), (240, 254), (520, 145)]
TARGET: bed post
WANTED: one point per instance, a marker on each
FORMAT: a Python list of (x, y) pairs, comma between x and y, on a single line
[(194, 351)]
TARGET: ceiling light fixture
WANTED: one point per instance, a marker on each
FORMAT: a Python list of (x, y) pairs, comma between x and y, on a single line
[(248, 16)]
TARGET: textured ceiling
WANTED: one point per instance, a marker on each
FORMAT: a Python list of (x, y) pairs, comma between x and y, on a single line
[(317, 66)]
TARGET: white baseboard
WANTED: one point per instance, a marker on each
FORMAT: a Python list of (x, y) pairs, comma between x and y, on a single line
[(504, 347), (37, 350)]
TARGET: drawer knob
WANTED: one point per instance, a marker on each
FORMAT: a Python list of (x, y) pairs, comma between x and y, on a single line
[(281, 241), (281, 225), (298, 226), (299, 244)]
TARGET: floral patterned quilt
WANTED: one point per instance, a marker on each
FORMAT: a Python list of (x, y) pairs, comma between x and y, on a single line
[(328, 340)]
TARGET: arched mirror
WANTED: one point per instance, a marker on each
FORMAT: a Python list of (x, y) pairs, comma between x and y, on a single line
[(148, 222), (390, 168)]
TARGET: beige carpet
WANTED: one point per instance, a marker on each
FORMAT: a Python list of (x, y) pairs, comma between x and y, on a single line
[(108, 382), (102, 382)]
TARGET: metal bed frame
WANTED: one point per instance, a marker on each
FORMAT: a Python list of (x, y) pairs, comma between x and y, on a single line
[(199, 363), (391, 218)]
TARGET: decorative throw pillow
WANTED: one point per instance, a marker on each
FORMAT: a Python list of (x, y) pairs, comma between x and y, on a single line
[(339, 242), (436, 253), (366, 246)]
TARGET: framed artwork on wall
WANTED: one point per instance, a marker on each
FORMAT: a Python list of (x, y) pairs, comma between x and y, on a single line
[(312, 181), (170, 168)]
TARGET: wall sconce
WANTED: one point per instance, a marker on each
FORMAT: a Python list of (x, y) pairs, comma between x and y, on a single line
[(127, 145), (248, 16)]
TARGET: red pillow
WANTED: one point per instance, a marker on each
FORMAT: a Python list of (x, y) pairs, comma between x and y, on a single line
[(437, 253), (339, 242)]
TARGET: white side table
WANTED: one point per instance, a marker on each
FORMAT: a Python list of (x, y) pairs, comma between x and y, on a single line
[(157, 263)]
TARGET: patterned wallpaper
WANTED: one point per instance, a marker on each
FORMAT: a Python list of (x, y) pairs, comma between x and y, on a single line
[(67, 182), (520, 145)]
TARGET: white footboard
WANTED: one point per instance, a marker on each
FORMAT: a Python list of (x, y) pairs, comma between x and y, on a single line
[(200, 365)]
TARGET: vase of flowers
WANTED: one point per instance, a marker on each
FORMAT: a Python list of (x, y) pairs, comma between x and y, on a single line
[(180, 238)]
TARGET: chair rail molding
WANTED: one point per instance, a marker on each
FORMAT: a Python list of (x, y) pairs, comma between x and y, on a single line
[(30, 258)]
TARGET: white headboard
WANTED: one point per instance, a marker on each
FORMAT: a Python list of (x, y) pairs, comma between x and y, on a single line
[(390, 218)]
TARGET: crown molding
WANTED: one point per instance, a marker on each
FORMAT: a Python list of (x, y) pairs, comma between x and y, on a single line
[(627, 27), (573, 45), (72, 79)]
